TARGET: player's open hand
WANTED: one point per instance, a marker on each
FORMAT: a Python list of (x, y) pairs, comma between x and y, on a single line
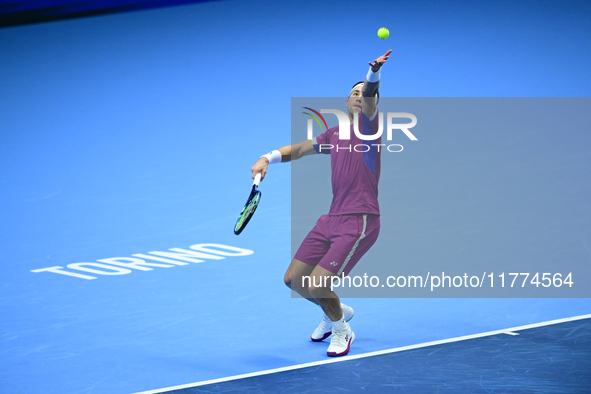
[(377, 64)]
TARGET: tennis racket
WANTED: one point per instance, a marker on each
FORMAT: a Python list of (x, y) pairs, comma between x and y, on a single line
[(250, 206)]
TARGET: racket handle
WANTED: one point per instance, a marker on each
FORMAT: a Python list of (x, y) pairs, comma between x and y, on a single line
[(257, 179)]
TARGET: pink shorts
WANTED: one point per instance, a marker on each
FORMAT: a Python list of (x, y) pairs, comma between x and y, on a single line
[(336, 243)]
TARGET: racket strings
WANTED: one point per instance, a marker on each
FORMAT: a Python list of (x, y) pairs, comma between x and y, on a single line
[(247, 212)]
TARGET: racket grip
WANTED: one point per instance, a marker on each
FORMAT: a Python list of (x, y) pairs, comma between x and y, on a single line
[(257, 179)]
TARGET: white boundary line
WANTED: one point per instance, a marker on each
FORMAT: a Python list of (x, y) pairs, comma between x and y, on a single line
[(509, 331)]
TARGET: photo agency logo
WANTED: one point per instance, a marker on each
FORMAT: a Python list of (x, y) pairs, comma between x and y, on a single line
[(344, 130)]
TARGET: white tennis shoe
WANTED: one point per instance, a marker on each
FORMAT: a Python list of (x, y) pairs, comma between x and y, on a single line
[(324, 330), (341, 341)]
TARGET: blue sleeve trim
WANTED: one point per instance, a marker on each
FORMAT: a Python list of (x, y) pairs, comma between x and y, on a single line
[(369, 157), (316, 146), (325, 151)]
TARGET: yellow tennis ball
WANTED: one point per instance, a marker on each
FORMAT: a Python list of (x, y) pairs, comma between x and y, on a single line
[(383, 33)]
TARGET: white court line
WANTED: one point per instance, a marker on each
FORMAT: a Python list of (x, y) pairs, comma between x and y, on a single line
[(509, 331)]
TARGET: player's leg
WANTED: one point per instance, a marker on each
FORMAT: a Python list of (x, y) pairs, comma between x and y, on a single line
[(298, 278), (298, 273), (320, 289), (324, 329), (352, 237)]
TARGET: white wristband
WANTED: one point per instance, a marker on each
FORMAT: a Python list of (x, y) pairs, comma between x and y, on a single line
[(373, 77), (273, 157)]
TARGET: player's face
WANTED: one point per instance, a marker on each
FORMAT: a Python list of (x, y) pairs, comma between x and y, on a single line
[(354, 101)]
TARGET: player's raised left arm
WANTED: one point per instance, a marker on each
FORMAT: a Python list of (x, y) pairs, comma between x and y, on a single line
[(372, 84)]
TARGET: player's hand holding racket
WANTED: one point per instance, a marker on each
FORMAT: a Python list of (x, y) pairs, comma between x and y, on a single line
[(259, 170), (260, 167)]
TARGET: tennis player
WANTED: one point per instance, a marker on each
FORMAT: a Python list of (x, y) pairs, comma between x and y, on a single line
[(341, 238)]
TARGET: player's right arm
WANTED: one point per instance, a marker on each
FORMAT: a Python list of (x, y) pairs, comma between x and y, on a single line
[(288, 153)]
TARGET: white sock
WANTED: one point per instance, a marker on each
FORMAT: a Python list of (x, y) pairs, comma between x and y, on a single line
[(342, 308), (339, 325)]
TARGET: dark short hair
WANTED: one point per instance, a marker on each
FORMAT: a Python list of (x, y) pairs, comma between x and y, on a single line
[(377, 92)]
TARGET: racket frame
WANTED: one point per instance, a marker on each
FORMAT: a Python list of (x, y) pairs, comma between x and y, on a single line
[(255, 195)]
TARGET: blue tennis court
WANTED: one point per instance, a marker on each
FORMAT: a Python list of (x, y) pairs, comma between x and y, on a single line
[(125, 153), (502, 360)]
